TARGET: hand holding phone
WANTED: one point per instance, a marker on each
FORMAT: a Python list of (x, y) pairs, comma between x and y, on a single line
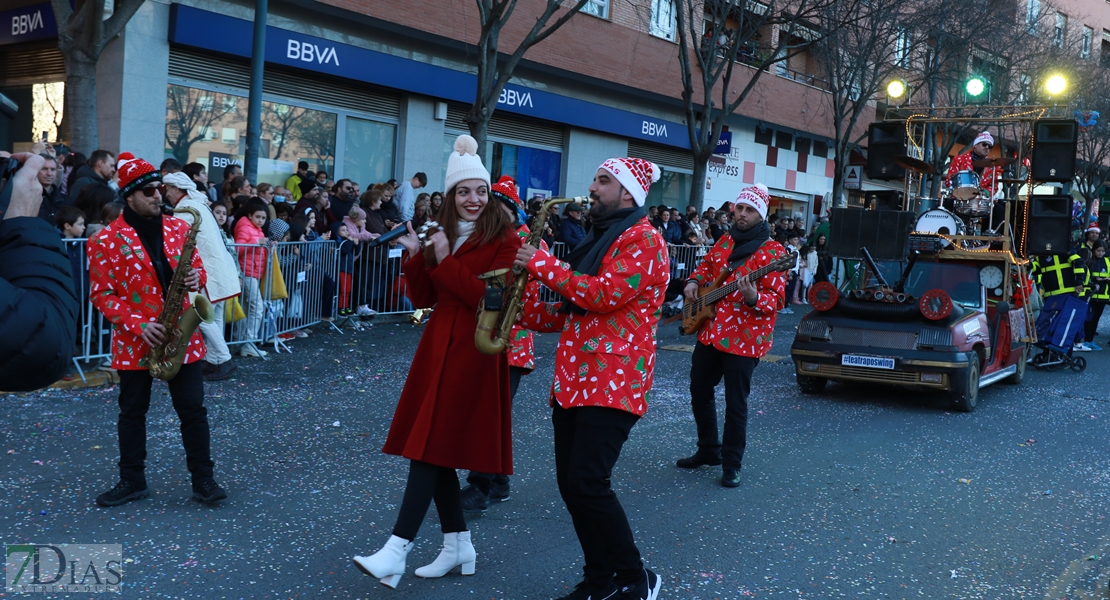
[(20, 171)]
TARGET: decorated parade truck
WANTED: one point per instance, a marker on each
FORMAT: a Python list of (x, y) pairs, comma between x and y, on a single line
[(933, 292)]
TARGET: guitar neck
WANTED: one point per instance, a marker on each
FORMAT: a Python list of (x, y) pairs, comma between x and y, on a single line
[(725, 290)]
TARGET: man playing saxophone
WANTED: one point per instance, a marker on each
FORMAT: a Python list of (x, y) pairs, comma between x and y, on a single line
[(131, 264), (613, 284)]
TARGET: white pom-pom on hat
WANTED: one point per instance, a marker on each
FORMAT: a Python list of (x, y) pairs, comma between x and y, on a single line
[(655, 173), (465, 144), (464, 163)]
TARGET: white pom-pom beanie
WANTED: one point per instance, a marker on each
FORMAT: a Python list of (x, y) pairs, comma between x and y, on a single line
[(464, 163)]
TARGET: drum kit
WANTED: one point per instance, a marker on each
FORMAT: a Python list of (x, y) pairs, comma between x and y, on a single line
[(962, 205)]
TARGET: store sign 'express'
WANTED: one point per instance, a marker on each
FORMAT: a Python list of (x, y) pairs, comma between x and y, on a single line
[(306, 52)]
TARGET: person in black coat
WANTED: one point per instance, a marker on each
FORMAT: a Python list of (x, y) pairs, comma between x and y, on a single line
[(38, 306), (571, 230)]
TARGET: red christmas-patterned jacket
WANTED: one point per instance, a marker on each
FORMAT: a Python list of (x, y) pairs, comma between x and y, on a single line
[(607, 356), (522, 348), (125, 289), (737, 328), (962, 162)]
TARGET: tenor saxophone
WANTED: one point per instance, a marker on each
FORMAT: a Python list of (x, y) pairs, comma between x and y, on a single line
[(497, 312), (165, 360)]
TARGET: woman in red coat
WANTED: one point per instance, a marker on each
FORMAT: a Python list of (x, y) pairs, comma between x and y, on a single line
[(455, 410)]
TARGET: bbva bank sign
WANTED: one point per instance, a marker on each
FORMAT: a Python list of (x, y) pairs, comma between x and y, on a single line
[(309, 53)]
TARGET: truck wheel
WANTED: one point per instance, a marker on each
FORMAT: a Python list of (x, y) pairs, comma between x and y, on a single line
[(964, 394), (811, 385), (1020, 373)]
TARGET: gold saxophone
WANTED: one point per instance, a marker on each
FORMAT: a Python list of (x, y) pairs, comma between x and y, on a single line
[(497, 312), (165, 360)]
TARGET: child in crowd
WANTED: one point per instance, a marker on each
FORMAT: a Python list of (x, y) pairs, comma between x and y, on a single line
[(356, 229), (71, 222), (349, 250), (252, 262)]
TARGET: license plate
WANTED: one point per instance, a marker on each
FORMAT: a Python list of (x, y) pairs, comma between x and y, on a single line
[(870, 362)]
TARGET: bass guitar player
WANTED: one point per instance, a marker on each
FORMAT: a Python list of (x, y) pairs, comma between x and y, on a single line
[(739, 333)]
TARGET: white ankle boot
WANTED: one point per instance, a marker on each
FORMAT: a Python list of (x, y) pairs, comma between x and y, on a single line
[(388, 564), (457, 550)]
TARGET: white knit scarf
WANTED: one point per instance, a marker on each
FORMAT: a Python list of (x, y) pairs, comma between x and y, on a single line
[(465, 229)]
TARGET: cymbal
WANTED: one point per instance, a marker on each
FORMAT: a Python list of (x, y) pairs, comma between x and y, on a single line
[(915, 164), (986, 163)]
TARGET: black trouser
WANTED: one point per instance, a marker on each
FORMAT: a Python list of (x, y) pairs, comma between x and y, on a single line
[(426, 483), (708, 366), (588, 441), (187, 393), (792, 282), (1090, 328), (485, 481)]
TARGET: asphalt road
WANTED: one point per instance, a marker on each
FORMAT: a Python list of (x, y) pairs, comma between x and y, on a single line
[(860, 492)]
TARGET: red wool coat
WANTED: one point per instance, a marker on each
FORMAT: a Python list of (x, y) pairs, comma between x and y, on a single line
[(455, 410), (607, 356), (737, 328), (125, 289)]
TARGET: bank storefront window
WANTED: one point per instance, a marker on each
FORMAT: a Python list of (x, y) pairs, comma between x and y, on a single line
[(210, 128), (536, 171), (369, 146)]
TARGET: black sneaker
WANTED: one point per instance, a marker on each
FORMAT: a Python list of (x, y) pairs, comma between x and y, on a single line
[(583, 591), (124, 492), (697, 460), (208, 491), (474, 499), (645, 589), (499, 492), (731, 477)]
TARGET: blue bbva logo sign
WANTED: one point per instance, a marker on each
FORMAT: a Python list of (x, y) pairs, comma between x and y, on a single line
[(306, 52)]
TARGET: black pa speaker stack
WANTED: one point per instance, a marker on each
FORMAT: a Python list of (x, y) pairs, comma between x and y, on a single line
[(883, 232), (884, 142), (1049, 226), (1054, 147)]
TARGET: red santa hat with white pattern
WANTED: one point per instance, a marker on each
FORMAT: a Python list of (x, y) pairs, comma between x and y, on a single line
[(635, 174), (757, 197), (984, 137), (135, 173)]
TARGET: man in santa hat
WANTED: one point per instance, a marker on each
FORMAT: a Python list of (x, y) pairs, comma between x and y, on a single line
[(131, 264), (979, 149), (613, 283), (739, 334)]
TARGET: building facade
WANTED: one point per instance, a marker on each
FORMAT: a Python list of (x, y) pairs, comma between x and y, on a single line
[(370, 90)]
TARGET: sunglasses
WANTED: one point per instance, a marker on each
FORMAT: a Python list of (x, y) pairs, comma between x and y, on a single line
[(149, 191)]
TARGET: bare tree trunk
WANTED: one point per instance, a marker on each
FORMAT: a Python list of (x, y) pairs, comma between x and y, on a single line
[(697, 188), (80, 101)]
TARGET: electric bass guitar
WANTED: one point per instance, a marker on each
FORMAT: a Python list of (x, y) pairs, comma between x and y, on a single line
[(697, 312)]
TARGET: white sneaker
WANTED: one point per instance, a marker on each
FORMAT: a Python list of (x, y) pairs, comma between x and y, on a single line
[(300, 333), (250, 350), (366, 311), (1081, 347)]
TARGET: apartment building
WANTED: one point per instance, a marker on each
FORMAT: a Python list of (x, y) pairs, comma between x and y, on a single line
[(371, 90)]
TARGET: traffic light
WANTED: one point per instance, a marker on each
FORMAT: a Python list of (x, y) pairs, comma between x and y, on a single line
[(977, 90)]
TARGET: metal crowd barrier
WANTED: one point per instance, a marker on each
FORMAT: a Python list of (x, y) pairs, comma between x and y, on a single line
[(318, 282)]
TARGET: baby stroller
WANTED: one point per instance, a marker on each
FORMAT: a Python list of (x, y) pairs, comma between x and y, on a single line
[(1058, 328)]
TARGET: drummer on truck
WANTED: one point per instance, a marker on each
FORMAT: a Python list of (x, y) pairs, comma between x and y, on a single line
[(980, 148)]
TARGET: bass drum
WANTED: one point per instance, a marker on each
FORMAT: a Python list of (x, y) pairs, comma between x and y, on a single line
[(939, 221)]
